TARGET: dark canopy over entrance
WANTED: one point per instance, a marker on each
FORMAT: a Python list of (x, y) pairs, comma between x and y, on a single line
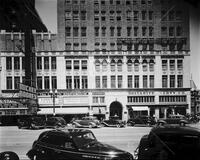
[(116, 109)]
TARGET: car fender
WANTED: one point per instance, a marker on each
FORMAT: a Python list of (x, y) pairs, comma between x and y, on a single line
[(105, 123), (76, 124), (183, 121), (161, 122)]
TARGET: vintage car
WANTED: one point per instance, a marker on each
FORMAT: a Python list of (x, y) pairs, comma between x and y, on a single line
[(113, 121), (55, 122), (169, 143), (141, 120), (31, 122), (88, 122), (173, 120), (73, 144)]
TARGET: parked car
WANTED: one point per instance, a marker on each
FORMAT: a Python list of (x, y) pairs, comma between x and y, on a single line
[(113, 121), (89, 122), (169, 143), (54, 122), (173, 119), (141, 120), (73, 144), (31, 122)]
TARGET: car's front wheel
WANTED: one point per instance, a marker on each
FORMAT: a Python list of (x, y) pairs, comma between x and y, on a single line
[(182, 124)]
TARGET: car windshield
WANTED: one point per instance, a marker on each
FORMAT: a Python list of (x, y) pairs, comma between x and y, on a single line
[(83, 139)]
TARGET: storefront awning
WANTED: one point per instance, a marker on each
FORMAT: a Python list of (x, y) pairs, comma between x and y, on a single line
[(140, 108), (69, 110)]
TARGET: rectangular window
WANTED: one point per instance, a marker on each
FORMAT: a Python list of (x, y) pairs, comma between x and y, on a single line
[(119, 31), (83, 15), (84, 64), (68, 65), (46, 62), (96, 31), (172, 81), (180, 64), (119, 80), (135, 31), (144, 31), (16, 82), (76, 65), (75, 15), (54, 82), (128, 31), (172, 65), (53, 62), (103, 31), (68, 82), (150, 15), (144, 13), (104, 81), (151, 79), (164, 65), (75, 31), (16, 63), (46, 82), (136, 80), (39, 62), (112, 29), (135, 15), (113, 82), (68, 31), (39, 82), (76, 82), (136, 67), (9, 83), (180, 81), (150, 31), (83, 31), (8, 63), (130, 81), (84, 82), (145, 81), (97, 81), (164, 81)]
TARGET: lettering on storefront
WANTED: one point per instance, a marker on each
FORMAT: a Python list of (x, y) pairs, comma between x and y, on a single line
[(141, 93), (98, 93), (172, 93)]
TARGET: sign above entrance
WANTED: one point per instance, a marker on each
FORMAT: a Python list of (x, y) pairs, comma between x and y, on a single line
[(141, 93)]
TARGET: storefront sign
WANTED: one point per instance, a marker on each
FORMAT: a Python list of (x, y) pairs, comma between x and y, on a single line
[(141, 93)]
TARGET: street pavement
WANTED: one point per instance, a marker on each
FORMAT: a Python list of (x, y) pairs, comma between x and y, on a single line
[(21, 140)]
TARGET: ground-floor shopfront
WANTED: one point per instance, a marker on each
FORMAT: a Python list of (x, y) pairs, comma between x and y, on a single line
[(122, 103)]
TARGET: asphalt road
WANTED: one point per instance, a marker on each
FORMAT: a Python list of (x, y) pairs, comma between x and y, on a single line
[(21, 140)]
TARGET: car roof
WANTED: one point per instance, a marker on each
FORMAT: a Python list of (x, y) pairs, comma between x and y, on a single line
[(176, 129), (67, 132)]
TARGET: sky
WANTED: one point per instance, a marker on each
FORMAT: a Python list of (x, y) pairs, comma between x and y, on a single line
[(47, 10)]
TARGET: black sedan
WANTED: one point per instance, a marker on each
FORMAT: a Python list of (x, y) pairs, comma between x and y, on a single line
[(169, 143), (55, 122), (31, 122), (142, 121), (113, 122), (73, 144)]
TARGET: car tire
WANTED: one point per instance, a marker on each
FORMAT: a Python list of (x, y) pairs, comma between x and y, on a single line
[(118, 125), (90, 126), (32, 126), (182, 124)]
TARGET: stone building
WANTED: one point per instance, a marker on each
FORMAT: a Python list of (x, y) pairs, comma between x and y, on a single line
[(110, 57)]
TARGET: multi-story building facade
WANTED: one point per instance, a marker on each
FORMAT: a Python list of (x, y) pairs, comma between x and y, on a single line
[(113, 57)]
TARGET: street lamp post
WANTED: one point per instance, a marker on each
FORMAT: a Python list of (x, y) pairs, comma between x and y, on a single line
[(53, 94)]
